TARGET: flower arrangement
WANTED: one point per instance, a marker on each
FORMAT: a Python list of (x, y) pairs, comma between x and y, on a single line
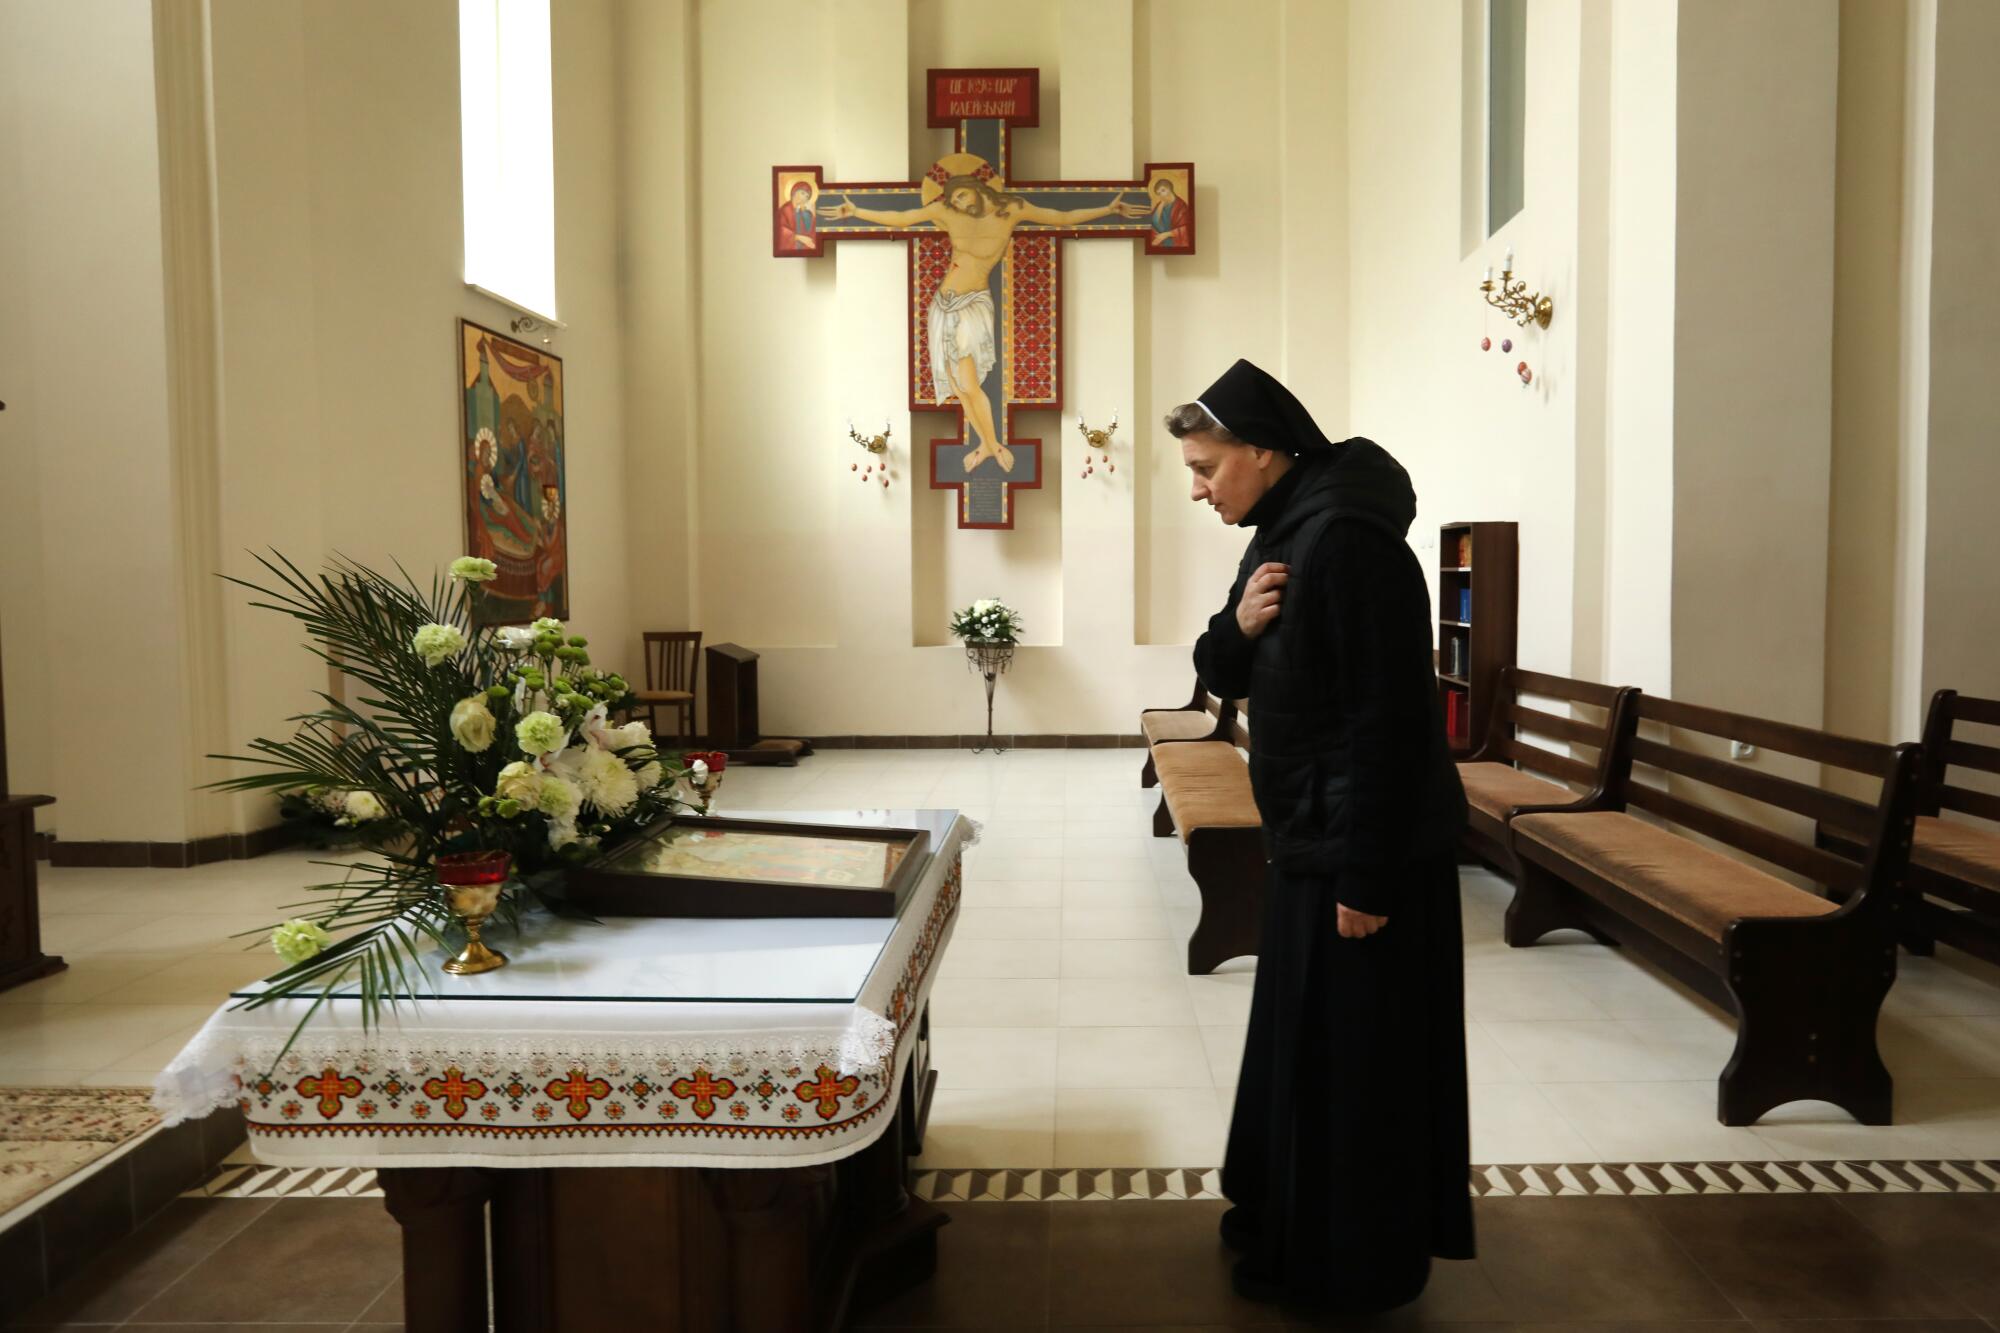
[(466, 740), (987, 620)]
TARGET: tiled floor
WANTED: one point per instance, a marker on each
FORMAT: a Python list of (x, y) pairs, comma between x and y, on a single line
[(1883, 1263), (1067, 1032)]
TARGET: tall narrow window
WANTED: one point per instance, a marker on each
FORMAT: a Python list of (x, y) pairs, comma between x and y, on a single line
[(507, 127), (1506, 108)]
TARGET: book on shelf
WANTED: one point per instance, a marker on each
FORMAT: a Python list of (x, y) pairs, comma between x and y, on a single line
[(1454, 714), (1465, 605), (1464, 549)]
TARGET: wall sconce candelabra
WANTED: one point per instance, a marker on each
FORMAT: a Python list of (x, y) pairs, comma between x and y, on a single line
[(1100, 444), (1514, 300), (876, 445)]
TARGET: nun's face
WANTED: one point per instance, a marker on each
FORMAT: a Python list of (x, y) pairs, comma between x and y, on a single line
[(1230, 478)]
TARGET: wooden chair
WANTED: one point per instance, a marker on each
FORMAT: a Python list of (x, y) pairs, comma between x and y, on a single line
[(673, 661)]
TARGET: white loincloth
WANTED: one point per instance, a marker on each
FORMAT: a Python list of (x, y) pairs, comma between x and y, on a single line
[(961, 325)]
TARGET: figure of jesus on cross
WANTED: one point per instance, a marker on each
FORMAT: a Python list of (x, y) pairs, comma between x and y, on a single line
[(980, 221), (985, 271)]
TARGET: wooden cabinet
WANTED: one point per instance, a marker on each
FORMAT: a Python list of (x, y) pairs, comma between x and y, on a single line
[(1478, 611)]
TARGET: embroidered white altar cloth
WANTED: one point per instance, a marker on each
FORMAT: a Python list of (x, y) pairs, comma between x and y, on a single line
[(661, 1041)]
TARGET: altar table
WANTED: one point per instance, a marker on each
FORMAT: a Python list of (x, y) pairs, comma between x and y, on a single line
[(668, 1123)]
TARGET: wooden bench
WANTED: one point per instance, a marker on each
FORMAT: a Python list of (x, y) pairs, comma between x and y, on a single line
[(1805, 975), (1951, 888), (1202, 718), (1205, 797), (1500, 776)]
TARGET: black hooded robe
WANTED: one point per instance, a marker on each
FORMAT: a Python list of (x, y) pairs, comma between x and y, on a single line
[(1349, 1147)]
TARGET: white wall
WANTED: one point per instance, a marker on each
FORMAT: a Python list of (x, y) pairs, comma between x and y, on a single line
[(1479, 445), (1962, 474), (845, 589), (337, 249), (1753, 353), (91, 582)]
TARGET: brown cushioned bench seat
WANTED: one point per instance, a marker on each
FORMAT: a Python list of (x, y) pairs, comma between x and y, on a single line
[(1176, 724), (1958, 850), (1701, 888), (1206, 785), (1495, 789)]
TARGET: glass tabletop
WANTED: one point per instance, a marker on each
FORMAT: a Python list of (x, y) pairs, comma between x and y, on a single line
[(678, 960)]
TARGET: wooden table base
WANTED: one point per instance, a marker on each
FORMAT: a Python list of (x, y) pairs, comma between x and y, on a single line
[(690, 1250)]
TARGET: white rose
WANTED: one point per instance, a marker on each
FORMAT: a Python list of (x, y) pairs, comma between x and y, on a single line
[(363, 806), (519, 782), (472, 723)]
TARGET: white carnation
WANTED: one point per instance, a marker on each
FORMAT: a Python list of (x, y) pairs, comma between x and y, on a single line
[(514, 638), (607, 783), (558, 798)]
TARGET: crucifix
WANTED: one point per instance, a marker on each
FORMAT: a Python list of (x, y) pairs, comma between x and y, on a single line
[(985, 271)]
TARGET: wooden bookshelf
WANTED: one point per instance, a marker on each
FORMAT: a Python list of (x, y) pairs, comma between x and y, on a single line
[(1471, 650)]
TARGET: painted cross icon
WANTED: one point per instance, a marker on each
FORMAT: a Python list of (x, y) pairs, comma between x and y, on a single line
[(827, 1090), (455, 1088), (329, 1087), (578, 1091), (985, 271), (704, 1088)]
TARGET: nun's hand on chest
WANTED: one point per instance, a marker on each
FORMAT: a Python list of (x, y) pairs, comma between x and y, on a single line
[(1261, 595)]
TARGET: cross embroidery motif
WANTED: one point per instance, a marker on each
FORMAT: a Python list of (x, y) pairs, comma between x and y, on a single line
[(827, 1090), (329, 1087), (454, 1087), (704, 1088), (578, 1091), (985, 251)]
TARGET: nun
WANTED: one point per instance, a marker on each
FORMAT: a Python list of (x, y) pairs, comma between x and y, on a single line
[(1349, 1150)]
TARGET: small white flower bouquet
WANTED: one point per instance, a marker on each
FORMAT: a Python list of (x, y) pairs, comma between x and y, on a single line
[(988, 620)]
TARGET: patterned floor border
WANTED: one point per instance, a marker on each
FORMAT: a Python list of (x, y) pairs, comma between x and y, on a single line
[(248, 1180)]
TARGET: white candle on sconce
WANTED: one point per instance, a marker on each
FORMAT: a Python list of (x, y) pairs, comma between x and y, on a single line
[(1510, 259), (1489, 273)]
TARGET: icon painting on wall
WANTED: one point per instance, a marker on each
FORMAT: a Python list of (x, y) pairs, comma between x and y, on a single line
[(511, 447)]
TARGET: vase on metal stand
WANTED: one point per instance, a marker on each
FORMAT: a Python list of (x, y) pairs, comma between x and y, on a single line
[(473, 883), (991, 661)]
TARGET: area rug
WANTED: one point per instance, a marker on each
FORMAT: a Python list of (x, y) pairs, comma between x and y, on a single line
[(47, 1134)]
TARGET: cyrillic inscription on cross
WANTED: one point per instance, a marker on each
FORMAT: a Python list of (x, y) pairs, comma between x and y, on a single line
[(985, 271)]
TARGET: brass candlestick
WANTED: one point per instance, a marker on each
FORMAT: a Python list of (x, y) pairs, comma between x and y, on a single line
[(877, 445), (1098, 440), (1514, 300)]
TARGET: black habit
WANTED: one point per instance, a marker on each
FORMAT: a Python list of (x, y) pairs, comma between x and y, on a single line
[(1349, 1151)]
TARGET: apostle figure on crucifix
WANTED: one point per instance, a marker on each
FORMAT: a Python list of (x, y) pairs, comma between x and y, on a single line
[(980, 219)]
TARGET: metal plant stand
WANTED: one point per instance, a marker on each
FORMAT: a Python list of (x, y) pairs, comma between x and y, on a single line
[(990, 660)]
